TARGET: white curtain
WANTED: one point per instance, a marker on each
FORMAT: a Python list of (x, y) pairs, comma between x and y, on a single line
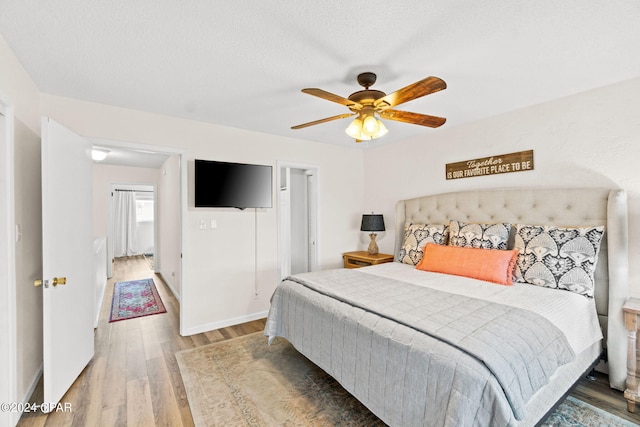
[(124, 223)]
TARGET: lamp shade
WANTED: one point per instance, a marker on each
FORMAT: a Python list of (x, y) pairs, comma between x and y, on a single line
[(372, 222)]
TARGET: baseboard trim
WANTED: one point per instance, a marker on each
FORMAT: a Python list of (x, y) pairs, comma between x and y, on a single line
[(99, 307), (224, 323), (169, 285), (33, 385)]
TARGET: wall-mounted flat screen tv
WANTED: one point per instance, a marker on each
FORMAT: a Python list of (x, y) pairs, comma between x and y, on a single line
[(232, 185)]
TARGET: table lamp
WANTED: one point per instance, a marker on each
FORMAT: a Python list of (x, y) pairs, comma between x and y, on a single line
[(372, 222)]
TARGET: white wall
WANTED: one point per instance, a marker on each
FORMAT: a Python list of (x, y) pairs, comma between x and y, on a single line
[(19, 91), (168, 221), (589, 139), (220, 264), (28, 181), (7, 264)]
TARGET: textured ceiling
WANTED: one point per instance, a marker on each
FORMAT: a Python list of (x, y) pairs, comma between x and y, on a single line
[(243, 63)]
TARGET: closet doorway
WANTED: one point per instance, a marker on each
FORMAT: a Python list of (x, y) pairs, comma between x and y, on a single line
[(133, 228), (297, 218)]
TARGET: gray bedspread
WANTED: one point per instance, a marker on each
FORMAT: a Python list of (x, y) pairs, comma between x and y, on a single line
[(415, 355)]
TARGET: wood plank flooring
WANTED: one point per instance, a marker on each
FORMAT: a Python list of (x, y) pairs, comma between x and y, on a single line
[(134, 379)]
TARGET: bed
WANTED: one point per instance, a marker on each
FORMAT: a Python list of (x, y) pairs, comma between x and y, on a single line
[(406, 342)]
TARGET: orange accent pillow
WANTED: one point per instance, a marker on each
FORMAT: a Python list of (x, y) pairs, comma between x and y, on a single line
[(491, 265)]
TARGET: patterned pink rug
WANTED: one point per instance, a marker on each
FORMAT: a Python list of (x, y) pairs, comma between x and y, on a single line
[(135, 298)]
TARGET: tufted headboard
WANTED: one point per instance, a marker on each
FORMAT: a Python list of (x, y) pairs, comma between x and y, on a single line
[(562, 207)]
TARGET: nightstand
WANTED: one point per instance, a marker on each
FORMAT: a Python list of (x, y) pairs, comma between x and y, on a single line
[(631, 310), (363, 258)]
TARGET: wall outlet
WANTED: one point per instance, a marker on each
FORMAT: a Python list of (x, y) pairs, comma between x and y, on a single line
[(203, 224)]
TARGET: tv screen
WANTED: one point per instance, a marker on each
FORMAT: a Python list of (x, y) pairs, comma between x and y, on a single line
[(232, 185)]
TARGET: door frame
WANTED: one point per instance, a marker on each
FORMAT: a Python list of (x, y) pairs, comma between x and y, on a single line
[(181, 153), (283, 247), (8, 338)]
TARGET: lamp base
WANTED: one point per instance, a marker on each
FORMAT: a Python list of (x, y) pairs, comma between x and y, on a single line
[(373, 246)]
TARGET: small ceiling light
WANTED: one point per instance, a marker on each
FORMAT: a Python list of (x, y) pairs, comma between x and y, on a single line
[(99, 154)]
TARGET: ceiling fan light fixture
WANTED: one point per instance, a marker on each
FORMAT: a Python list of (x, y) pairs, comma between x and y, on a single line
[(354, 129), (369, 103), (370, 125), (382, 129), (366, 129)]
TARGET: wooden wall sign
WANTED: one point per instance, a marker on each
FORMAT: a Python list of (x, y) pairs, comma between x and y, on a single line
[(503, 163)]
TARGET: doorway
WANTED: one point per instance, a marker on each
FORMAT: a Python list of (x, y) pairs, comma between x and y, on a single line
[(164, 170), (133, 226), (297, 218)]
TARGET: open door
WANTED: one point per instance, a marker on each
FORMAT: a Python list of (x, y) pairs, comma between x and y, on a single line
[(297, 218), (67, 262)]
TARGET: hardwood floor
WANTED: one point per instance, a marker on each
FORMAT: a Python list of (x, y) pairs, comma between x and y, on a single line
[(134, 380), (599, 394)]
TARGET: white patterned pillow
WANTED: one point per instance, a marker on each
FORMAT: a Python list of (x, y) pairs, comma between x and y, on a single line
[(475, 235), (418, 235), (558, 257)]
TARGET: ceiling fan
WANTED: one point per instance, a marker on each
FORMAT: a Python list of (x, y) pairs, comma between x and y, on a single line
[(367, 103)]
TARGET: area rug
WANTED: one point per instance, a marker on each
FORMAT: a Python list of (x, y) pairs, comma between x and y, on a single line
[(576, 413), (135, 298), (243, 381)]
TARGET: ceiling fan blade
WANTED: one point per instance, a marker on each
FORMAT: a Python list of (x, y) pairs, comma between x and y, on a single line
[(331, 97), (413, 91), (413, 118), (328, 119)]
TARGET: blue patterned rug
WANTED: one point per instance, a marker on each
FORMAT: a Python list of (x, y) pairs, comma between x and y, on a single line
[(576, 413), (135, 298)]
